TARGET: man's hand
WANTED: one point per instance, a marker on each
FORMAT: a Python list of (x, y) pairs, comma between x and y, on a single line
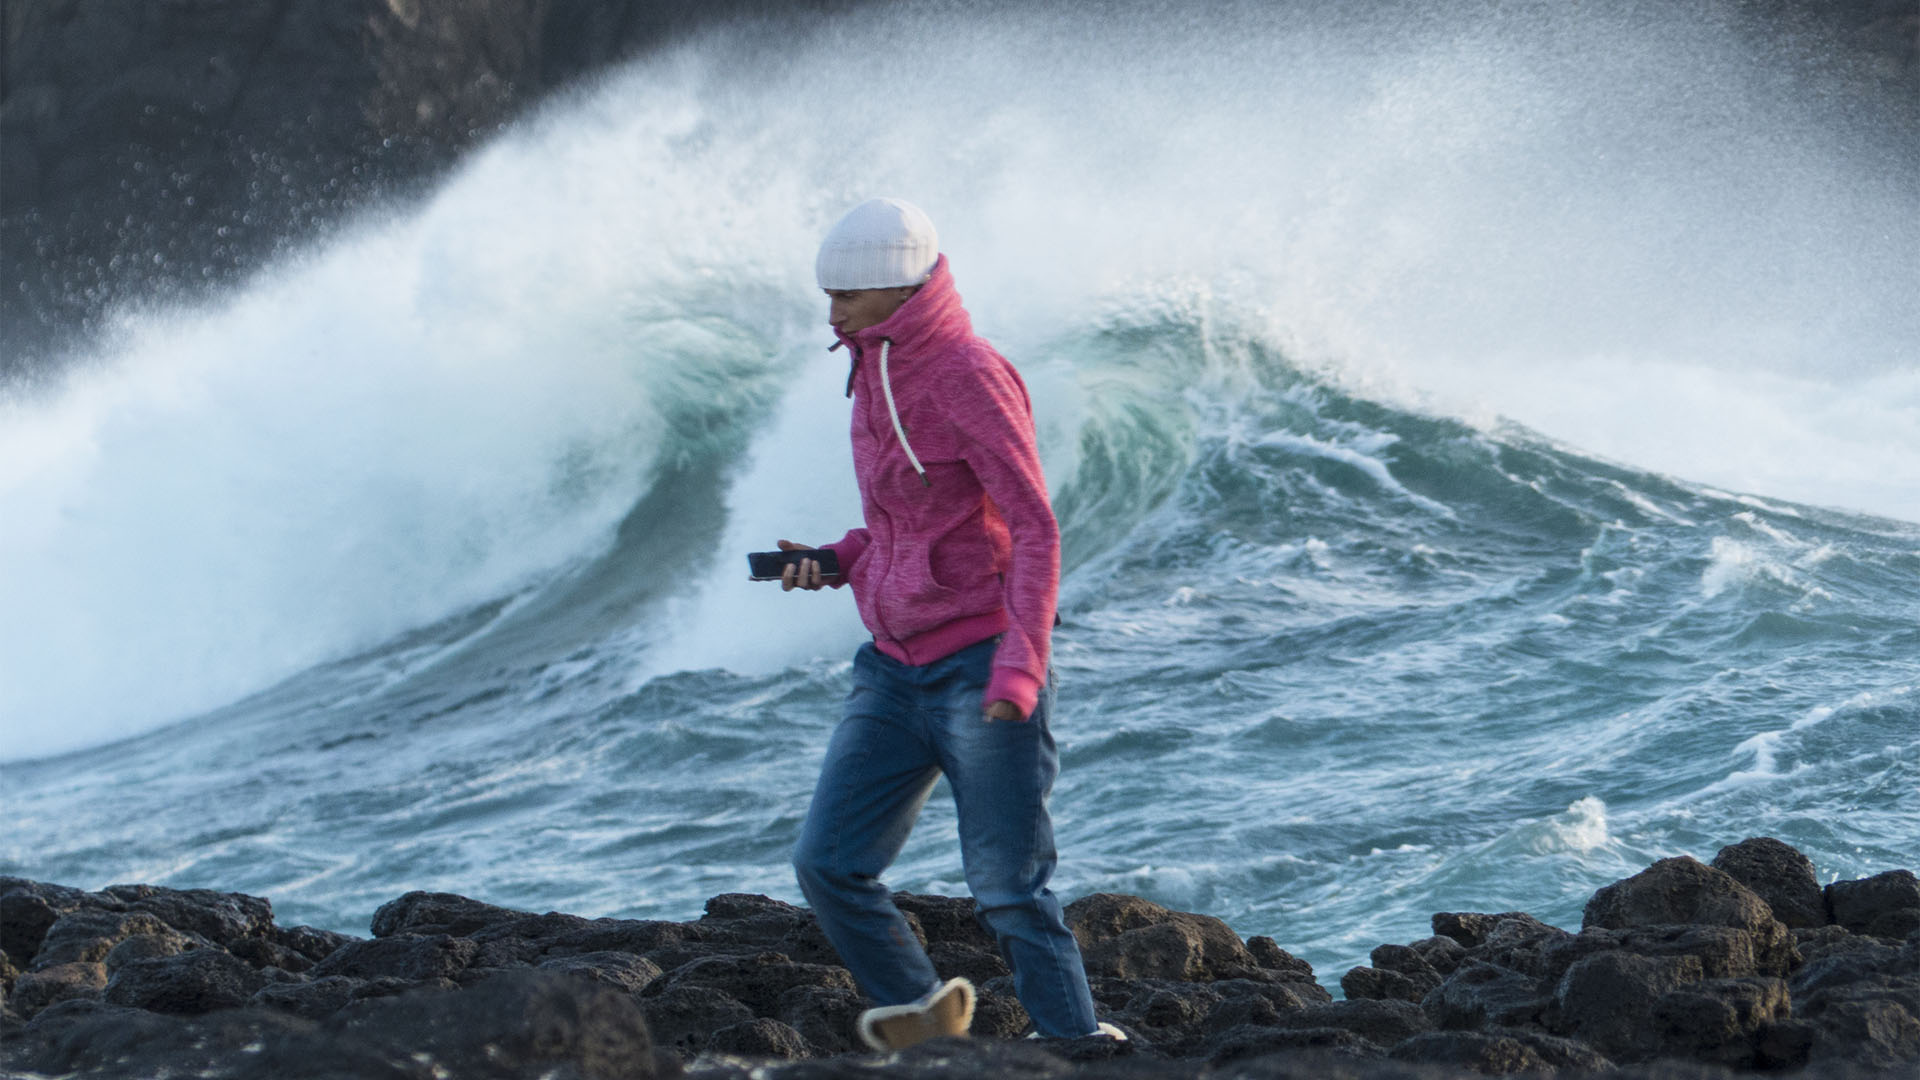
[(805, 574), (1005, 710)]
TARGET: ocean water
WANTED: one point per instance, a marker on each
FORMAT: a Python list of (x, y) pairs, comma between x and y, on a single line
[(1486, 443)]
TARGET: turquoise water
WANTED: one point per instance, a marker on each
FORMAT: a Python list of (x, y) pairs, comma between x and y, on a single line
[(416, 566)]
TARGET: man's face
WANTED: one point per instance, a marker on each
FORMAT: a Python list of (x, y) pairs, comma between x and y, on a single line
[(853, 310)]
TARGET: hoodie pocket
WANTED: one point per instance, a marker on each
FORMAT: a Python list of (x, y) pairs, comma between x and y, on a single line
[(916, 600)]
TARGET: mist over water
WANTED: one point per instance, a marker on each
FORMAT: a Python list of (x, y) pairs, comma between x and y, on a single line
[(439, 524)]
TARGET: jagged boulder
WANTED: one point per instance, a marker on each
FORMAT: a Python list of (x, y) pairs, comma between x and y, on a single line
[(1471, 928), (682, 1018), (1779, 875), (1383, 1023), (1723, 952), (761, 1038), (1722, 1021), (1475, 1051), (314, 999), (1683, 891), (1126, 937), (623, 971), (219, 917), (155, 946), (1253, 1041), (188, 984), (88, 934), (409, 957), (1607, 1000), (46, 986), (1480, 995), (825, 1017), (1834, 956), (28, 909), (433, 913), (757, 981), (1884, 905), (1873, 1023), (316, 945), (1399, 972), (767, 925), (1524, 944)]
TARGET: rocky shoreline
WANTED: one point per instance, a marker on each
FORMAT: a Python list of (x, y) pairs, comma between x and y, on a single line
[(1683, 970)]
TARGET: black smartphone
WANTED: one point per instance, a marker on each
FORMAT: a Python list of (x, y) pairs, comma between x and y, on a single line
[(767, 565)]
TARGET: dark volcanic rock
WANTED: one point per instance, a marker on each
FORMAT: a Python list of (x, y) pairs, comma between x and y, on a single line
[(412, 957), (517, 1025), (765, 925), (263, 953), (1504, 992), (316, 999), (1268, 954), (683, 1018), (1492, 1055), (1383, 1023), (1374, 984), (1470, 928), (997, 1012), (315, 945), (623, 971), (216, 916), (1480, 995), (36, 990), (1399, 972), (826, 1017), (974, 964), (1835, 957), (1683, 891), (28, 909), (954, 919), (759, 1037), (430, 913), (1524, 945), (1129, 938), (1607, 1000), (1779, 875), (155, 946), (1860, 1029), (513, 1028), (1884, 905), (757, 982), (1723, 952), (1252, 1041), (89, 934), (1677, 890), (188, 984), (1721, 1020)]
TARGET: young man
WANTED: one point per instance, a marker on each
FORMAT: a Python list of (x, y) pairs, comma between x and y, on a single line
[(956, 574)]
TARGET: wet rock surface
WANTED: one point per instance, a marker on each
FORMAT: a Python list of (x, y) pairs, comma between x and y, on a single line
[(1684, 970)]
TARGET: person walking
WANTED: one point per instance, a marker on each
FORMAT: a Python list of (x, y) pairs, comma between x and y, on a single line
[(956, 573)]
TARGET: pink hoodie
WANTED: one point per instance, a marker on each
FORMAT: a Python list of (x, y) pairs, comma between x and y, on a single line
[(970, 549)]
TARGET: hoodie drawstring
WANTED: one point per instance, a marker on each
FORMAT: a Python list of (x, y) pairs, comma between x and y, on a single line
[(886, 388)]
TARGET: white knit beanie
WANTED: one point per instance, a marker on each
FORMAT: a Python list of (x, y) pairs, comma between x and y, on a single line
[(880, 244)]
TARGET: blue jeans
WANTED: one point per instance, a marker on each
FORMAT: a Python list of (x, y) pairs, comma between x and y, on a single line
[(904, 726)]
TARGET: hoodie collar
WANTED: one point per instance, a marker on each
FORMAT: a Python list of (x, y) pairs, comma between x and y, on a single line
[(932, 315)]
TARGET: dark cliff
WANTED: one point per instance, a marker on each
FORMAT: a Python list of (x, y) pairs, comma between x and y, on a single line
[(157, 148)]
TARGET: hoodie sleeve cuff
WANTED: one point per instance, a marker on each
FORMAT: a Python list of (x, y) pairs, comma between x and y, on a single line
[(847, 549), (1012, 684)]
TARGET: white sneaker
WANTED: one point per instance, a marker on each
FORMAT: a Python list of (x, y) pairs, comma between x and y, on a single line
[(948, 1010), (1104, 1031)]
